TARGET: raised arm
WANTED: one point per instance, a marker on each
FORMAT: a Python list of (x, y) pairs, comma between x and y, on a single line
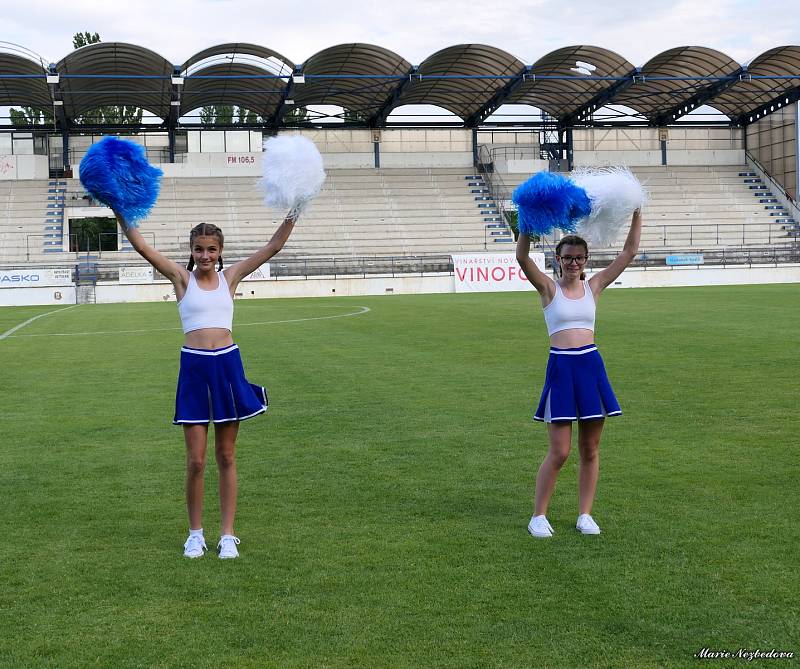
[(607, 276), (179, 276), (543, 283), (236, 272)]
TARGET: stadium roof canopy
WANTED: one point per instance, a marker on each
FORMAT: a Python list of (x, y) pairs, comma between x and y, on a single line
[(471, 81)]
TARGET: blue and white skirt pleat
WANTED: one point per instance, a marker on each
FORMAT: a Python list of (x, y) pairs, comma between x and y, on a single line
[(576, 387), (212, 388)]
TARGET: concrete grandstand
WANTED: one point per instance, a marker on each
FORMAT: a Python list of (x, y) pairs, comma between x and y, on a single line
[(723, 189)]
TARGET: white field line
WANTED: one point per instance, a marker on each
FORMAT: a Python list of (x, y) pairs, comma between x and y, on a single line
[(362, 310), (9, 333)]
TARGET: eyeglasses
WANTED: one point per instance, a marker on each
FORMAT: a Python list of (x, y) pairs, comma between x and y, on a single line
[(578, 260)]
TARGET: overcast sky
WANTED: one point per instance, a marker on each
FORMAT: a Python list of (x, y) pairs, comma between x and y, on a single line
[(412, 28)]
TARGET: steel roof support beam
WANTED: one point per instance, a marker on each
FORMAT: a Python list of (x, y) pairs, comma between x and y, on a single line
[(604, 97), (274, 122), (698, 99), (498, 99), (378, 119), (174, 109), (777, 103)]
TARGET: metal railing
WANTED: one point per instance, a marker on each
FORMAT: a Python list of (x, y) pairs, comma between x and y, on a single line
[(774, 184), (501, 193), (156, 155), (323, 267), (711, 234), (34, 245), (756, 255)]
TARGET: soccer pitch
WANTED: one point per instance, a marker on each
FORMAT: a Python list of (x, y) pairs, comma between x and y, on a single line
[(383, 498)]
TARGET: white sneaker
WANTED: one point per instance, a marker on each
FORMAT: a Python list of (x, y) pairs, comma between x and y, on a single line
[(195, 546), (540, 528), (227, 546), (586, 524)]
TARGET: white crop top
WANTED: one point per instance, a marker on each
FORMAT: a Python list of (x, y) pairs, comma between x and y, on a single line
[(206, 308), (564, 313)]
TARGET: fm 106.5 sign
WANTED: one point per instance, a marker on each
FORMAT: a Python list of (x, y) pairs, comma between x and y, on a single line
[(35, 278), (491, 272)]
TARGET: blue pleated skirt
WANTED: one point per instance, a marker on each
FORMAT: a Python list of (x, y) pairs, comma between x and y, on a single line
[(212, 388), (576, 387)]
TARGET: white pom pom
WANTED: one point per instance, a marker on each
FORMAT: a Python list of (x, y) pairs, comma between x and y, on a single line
[(292, 173), (615, 193)]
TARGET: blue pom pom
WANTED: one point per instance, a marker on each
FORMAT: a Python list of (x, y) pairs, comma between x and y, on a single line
[(116, 173), (547, 201)]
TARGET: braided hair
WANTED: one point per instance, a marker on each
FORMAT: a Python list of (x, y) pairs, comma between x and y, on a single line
[(205, 230), (572, 240)]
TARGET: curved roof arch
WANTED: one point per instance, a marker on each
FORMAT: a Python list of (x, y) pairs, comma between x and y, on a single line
[(222, 88), (562, 96), (242, 52), (132, 75), (377, 73), (30, 90), (462, 97), (757, 87), (659, 90), (471, 81)]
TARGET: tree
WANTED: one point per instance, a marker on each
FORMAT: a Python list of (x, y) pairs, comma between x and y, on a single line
[(84, 39), (247, 117), (224, 115), (296, 115), (113, 115), (208, 114), (29, 116), (217, 115), (352, 116)]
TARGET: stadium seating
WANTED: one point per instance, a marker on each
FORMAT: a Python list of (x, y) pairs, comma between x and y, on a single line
[(23, 216), (368, 212), (701, 208)]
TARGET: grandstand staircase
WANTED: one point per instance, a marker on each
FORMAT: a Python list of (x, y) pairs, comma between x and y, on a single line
[(776, 210), (53, 241), (496, 228), (86, 279)]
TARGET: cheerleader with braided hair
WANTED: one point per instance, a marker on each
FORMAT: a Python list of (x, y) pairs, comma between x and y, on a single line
[(212, 387)]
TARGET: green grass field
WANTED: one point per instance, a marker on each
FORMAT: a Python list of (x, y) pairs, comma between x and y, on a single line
[(384, 497)]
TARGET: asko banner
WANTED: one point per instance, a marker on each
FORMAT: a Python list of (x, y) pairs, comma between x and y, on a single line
[(491, 272), (34, 278)]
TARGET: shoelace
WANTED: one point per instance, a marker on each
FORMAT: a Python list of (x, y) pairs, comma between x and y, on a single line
[(227, 539), (194, 542)]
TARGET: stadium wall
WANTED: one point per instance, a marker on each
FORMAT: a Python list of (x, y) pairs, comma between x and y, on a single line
[(215, 154), (642, 146), (772, 141), (634, 277), (24, 167)]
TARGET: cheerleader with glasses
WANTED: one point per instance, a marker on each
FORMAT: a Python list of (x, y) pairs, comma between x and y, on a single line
[(576, 387)]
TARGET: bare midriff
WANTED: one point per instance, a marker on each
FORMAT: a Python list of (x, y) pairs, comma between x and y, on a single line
[(572, 338), (208, 338)]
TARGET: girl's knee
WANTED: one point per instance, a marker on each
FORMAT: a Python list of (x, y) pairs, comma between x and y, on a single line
[(196, 466), (590, 451), (226, 457), (558, 456)]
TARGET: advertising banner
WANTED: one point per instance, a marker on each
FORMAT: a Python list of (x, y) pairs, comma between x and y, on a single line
[(491, 272), (260, 274), (136, 275), (35, 278)]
